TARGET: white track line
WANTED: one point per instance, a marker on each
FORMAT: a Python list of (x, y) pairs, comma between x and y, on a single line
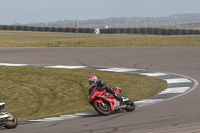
[(118, 70), (178, 80), (9, 64), (67, 67), (175, 90), (154, 74)]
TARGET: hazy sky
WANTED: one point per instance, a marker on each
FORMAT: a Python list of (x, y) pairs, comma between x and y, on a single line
[(25, 11)]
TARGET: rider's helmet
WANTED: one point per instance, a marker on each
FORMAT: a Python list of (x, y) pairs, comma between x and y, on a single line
[(93, 80)]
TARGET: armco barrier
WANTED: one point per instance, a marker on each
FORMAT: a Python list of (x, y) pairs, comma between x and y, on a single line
[(122, 31), (34, 28), (136, 31), (61, 29), (171, 32), (192, 32), (6, 27), (12, 27), (114, 30), (185, 32), (75, 30), (104, 31), (155, 31), (27, 28), (40, 28), (47, 29), (150, 31), (129, 30), (197, 32), (20, 28), (164, 31), (178, 31), (82, 30), (68, 29), (54, 29), (89, 30), (143, 30)]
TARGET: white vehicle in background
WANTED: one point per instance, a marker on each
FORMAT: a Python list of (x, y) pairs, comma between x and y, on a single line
[(7, 119)]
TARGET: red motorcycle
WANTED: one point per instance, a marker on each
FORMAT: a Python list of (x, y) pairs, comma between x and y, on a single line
[(104, 103)]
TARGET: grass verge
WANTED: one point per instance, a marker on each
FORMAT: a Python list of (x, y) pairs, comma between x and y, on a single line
[(76, 40), (35, 92)]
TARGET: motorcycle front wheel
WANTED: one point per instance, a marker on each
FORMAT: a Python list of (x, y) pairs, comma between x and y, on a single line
[(102, 109), (10, 122)]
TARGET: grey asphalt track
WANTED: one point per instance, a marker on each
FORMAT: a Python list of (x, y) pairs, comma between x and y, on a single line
[(180, 115)]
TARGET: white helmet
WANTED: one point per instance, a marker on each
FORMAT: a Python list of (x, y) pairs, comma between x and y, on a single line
[(93, 80)]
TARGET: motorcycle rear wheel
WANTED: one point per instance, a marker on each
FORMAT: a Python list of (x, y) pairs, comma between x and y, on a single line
[(130, 107), (102, 109), (10, 123)]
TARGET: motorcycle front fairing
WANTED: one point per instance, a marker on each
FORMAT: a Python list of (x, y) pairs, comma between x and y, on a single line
[(94, 97), (101, 97)]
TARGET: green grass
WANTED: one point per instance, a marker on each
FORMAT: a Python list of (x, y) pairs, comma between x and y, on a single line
[(36, 92), (96, 41)]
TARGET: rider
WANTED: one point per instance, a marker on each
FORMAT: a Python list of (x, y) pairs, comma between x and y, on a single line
[(93, 81)]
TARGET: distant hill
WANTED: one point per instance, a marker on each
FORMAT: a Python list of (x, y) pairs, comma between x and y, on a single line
[(186, 20)]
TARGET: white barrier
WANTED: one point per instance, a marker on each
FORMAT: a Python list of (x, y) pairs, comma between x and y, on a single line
[(96, 30)]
